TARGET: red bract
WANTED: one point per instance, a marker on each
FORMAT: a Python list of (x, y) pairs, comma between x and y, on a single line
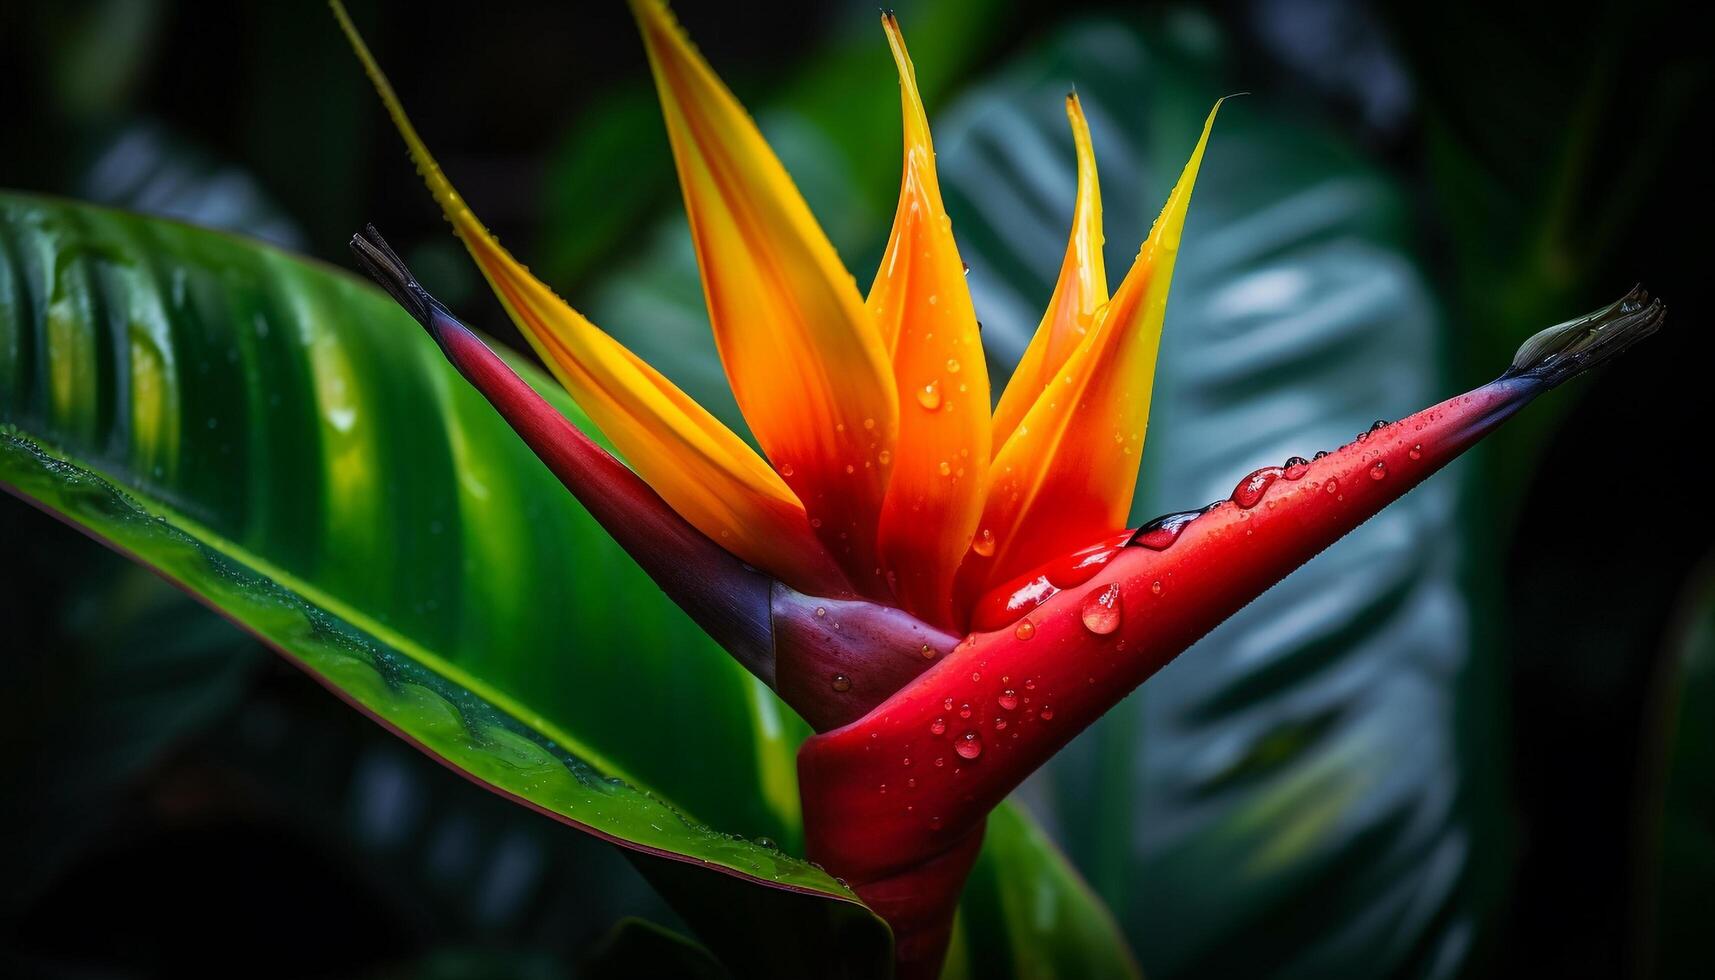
[(895, 511)]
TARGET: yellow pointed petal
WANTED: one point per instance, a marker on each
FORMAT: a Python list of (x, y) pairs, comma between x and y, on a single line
[(805, 360), (1065, 476), (702, 469), (923, 308), (1079, 294)]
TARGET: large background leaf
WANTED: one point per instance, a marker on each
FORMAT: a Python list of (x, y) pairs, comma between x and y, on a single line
[(314, 470)]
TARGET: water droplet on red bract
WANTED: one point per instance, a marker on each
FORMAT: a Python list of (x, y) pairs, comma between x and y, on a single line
[(969, 746), (1101, 610)]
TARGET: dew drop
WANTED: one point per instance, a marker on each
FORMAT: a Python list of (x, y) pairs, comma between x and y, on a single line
[(964, 711), (1295, 468), (928, 652), (1332, 486), (1319, 455), (984, 543), (1030, 685), (948, 704), (1101, 610), (1378, 471), (929, 396), (1416, 451), (952, 366), (884, 457), (821, 611), (1025, 630), (1160, 533), (946, 468), (969, 746), (1046, 714), (787, 470), (907, 761), (767, 842), (938, 727), (1155, 587), (842, 683), (999, 724), (934, 823), (1250, 490), (1008, 700)]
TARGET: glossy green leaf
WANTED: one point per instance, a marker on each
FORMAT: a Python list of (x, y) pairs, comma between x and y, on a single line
[(1310, 790), (279, 440)]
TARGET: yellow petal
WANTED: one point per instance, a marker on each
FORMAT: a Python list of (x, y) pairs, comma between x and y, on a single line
[(805, 359), (1065, 476), (923, 308), (702, 469), (1078, 295)]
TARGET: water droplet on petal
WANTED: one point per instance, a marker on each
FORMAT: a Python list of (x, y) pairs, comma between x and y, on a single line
[(767, 842), (934, 823), (1332, 486), (928, 652), (929, 396), (952, 366), (1379, 424), (999, 724), (821, 611), (1047, 713), (964, 711), (938, 726), (842, 683), (1155, 587), (969, 746), (1319, 455), (1295, 468), (1101, 610), (983, 544), (1025, 630), (1250, 490), (787, 470), (1416, 451), (1378, 471), (1008, 700)]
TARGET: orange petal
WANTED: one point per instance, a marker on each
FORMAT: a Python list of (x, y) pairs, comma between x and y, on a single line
[(923, 308), (1078, 296), (805, 359), (701, 468), (1065, 476)]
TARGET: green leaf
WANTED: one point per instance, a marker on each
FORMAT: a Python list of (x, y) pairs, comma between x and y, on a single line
[(283, 443), (1027, 913), (1311, 789)]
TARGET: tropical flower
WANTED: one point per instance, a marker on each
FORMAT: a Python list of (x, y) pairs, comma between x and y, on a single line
[(946, 593)]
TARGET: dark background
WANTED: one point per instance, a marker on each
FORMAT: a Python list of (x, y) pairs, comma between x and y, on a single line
[(1555, 154)]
